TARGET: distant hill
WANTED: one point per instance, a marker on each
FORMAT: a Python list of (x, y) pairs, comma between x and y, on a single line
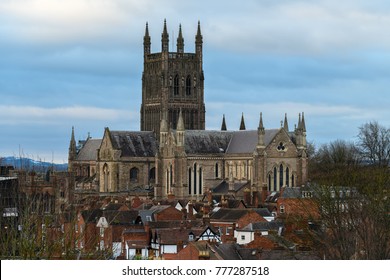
[(30, 164)]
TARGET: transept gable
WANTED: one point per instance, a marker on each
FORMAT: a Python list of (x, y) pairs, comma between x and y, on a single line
[(106, 151), (281, 145)]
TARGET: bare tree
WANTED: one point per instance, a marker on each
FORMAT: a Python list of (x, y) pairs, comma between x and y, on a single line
[(332, 161), (374, 143)]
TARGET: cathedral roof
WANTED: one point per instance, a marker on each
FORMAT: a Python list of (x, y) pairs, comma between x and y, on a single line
[(207, 142), (221, 142), (89, 150), (134, 143), (245, 141)]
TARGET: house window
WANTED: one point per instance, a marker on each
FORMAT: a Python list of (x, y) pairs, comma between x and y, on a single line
[(191, 237), (102, 231), (228, 229), (242, 237), (134, 174), (281, 208)]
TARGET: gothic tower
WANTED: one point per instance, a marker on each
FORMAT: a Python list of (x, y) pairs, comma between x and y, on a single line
[(172, 81)]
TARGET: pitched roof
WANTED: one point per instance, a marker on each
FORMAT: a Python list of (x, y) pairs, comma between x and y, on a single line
[(261, 226), (134, 143), (245, 141), (91, 215), (121, 217), (223, 187), (231, 251), (88, 151), (227, 214), (206, 142)]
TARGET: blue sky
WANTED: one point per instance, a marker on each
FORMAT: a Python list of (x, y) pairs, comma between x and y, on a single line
[(79, 63)]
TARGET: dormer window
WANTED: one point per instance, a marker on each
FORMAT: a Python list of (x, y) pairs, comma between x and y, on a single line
[(190, 237)]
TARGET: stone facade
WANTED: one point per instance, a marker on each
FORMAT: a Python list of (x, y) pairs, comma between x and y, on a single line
[(172, 81), (174, 155)]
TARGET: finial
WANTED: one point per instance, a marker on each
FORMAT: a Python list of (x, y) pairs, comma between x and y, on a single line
[(180, 41), (242, 125), (223, 126), (303, 122), (285, 123), (180, 122), (261, 126)]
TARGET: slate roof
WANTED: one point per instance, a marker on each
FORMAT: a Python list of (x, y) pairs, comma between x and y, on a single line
[(223, 187), (91, 216), (88, 151), (226, 214), (262, 226), (245, 141), (113, 206), (264, 212), (197, 142), (220, 142), (231, 251), (294, 192), (150, 212), (121, 217), (206, 141), (134, 143)]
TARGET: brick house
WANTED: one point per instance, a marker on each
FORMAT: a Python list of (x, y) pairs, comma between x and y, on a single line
[(228, 220)]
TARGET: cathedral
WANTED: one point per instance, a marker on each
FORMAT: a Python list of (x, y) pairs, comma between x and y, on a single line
[(173, 154)]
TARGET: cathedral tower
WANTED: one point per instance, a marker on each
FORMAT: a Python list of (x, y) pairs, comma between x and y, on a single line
[(172, 81)]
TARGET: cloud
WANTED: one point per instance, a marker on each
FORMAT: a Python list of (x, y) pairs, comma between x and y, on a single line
[(17, 115)]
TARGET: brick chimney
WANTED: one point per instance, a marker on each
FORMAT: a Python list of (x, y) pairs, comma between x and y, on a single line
[(210, 197), (247, 197), (171, 197), (264, 194), (190, 210), (255, 195)]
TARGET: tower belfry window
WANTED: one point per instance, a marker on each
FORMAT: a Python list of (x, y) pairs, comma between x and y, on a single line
[(176, 85), (188, 85)]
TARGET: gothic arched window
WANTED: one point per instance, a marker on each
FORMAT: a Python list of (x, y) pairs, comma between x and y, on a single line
[(287, 176), (134, 174), (200, 180), (106, 173), (216, 170), (195, 177), (176, 85), (275, 178), (188, 85), (281, 176), (152, 174), (269, 182), (189, 181)]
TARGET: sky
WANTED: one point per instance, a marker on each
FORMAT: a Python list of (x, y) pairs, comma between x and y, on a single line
[(79, 63)]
